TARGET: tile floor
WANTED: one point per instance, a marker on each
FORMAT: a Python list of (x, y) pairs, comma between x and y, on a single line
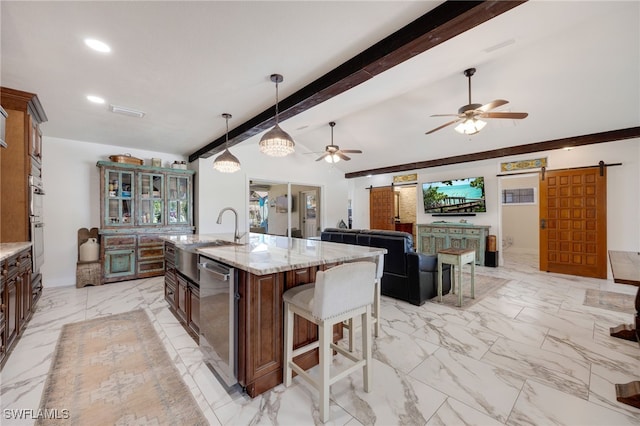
[(530, 354)]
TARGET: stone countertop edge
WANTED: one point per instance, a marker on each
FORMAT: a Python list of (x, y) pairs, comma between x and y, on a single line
[(9, 249), (263, 254)]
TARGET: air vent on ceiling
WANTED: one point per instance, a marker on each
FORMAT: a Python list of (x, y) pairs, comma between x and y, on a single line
[(126, 111)]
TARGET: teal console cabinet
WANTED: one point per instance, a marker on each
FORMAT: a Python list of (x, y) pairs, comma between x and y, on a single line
[(436, 236), (138, 204)]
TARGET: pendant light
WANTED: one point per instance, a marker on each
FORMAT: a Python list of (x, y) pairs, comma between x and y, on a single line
[(226, 162), (276, 142)]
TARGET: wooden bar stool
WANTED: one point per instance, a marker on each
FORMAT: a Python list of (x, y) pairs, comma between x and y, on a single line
[(340, 293)]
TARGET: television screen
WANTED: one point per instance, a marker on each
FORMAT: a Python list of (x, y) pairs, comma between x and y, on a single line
[(457, 196)]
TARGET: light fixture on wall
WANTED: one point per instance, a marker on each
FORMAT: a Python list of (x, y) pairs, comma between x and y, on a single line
[(276, 142), (226, 162)]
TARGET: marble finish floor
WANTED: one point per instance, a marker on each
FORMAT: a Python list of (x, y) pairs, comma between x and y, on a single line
[(528, 354)]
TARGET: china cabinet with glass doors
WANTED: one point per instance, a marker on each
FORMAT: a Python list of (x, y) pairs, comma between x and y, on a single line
[(138, 204)]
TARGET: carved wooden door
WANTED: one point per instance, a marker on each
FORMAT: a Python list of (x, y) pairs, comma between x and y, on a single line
[(382, 208), (573, 222)]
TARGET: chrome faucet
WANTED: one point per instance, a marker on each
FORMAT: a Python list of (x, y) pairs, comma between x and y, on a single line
[(236, 235)]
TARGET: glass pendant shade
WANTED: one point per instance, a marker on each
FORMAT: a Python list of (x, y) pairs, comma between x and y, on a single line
[(333, 158), (226, 162), (470, 126), (276, 143)]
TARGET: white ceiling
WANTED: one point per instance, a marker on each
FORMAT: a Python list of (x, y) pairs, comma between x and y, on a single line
[(574, 66)]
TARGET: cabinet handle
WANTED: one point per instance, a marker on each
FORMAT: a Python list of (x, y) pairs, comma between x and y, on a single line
[(17, 263), (2, 307), (5, 272)]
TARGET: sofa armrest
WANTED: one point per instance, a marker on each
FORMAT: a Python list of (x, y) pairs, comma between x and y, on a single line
[(422, 270), (422, 262)]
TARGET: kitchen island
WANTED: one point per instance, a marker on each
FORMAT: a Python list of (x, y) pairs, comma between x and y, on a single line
[(267, 266)]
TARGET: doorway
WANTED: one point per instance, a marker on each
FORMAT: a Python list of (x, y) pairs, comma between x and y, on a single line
[(309, 201), (519, 208), (284, 208)]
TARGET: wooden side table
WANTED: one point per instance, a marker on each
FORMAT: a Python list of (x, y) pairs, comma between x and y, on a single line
[(88, 273), (456, 258)]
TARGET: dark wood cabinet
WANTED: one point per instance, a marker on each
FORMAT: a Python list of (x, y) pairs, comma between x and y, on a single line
[(17, 299), (182, 294), (21, 158)]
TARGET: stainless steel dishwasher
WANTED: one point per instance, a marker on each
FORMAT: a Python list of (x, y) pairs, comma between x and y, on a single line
[(219, 318)]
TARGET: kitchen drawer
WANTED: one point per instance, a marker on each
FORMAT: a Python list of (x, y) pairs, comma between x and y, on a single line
[(473, 231), (454, 231), (146, 240), (422, 230), (151, 266), (150, 252), (119, 240)]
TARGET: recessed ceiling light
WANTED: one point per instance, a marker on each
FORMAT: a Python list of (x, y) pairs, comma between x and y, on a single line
[(95, 99), (97, 45), (568, 148)]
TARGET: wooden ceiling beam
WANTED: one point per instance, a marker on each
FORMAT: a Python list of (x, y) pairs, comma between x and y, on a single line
[(593, 138), (434, 27)]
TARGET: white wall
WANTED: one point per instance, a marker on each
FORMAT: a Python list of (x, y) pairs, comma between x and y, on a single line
[(216, 190), (520, 221), (72, 201), (72, 198), (623, 196)]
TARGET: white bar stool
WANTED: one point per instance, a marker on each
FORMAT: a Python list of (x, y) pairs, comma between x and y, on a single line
[(375, 314), (340, 293)]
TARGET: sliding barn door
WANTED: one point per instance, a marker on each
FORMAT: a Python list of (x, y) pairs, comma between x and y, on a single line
[(382, 208), (573, 222)]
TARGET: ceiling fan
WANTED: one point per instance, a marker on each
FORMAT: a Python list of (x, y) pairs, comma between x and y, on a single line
[(469, 116), (333, 153)]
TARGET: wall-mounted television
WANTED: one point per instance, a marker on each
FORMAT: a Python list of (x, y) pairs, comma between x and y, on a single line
[(454, 197)]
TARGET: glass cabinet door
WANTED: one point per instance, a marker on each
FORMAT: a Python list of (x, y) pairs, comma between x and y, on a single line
[(119, 200), (151, 199), (179, 200)]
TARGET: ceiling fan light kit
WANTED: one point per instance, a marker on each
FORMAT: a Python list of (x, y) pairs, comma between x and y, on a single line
[(333, 153), (226, 162), (469, 116), (276, 142)]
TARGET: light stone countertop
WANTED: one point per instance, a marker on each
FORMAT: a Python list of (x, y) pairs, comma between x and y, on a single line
[(9, 249), (262, 254)]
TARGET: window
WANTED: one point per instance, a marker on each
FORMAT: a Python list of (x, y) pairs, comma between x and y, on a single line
[(519, 196)]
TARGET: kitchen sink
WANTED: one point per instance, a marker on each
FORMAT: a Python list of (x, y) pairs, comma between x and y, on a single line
[(187, 257)]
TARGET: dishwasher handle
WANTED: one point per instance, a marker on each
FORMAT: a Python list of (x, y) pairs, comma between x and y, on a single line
[(219, 275)]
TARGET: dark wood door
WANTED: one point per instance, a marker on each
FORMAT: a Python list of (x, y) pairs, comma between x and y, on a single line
[(382, 208), (573, 222)]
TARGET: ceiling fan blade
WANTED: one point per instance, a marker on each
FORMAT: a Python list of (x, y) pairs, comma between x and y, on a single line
[(351, 151), (493, 104), (323, 155), (444, 125), (445, 115), (341, 155), (512, 115)]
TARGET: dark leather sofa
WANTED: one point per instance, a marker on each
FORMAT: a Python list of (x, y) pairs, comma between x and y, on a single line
[(408, 275)]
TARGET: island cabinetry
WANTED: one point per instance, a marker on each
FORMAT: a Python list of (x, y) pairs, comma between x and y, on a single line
[(17, 299), (181, 293), (138, 204), (260, 331), (433, 237), (170, 275)]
